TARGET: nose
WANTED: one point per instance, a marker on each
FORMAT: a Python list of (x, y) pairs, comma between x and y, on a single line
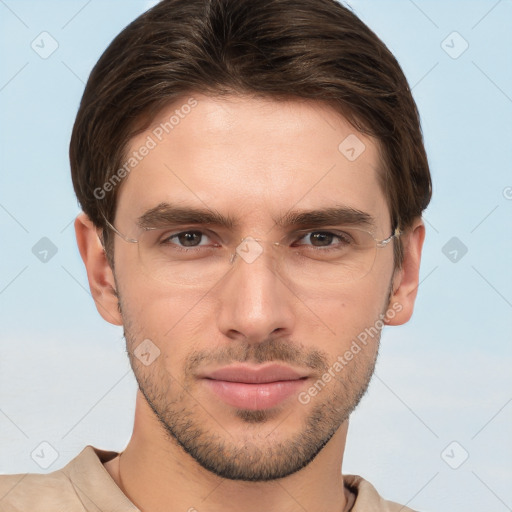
[(254, 302)]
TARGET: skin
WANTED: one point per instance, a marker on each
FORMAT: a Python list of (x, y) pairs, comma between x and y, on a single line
[(252, 159)]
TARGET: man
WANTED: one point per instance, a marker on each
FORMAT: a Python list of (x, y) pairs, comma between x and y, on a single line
[(252, 176)]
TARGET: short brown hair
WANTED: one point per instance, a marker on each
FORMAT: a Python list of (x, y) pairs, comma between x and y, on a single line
[(313, 49)]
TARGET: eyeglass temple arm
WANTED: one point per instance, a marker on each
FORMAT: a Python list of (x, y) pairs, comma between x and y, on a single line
[(396, 234), (124, 237)]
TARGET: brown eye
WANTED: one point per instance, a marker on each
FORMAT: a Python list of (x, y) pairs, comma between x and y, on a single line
[(324, 241), (321, 239), (189, 238)]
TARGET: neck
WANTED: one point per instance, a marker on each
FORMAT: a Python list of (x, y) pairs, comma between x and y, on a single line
[(157, 475)]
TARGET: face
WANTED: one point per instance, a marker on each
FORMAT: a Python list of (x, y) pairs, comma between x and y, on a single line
[(248, 368)]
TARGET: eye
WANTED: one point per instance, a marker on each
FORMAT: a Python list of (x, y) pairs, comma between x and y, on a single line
[(191, 238), (326, 239)]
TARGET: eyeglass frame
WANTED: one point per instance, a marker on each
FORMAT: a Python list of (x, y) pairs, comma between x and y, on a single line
[(397, 232)]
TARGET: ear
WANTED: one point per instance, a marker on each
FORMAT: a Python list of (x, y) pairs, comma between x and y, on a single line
[(406, 279), (99, 273)]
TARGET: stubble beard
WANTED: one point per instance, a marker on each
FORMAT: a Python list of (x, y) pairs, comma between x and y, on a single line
[(254, 458)]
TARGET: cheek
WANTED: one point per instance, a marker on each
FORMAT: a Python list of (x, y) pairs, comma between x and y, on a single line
[(171, 318), (335, 318)]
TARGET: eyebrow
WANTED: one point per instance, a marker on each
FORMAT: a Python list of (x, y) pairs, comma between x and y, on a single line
[(335, 215), (166, 214)]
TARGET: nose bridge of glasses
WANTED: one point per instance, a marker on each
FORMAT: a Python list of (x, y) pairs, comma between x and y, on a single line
[(250, 249)]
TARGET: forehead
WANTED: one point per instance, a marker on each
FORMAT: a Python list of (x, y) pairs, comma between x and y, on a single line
[(251, 158)]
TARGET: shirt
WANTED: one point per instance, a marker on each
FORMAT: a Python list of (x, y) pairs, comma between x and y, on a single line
[(84, 485)]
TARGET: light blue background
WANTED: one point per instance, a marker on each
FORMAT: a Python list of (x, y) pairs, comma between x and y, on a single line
[(64, 376)]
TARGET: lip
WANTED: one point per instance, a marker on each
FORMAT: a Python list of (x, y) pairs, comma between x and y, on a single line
[(250, 374), (254, 387)]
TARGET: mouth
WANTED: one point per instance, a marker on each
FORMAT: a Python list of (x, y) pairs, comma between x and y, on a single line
[(254, 387)]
